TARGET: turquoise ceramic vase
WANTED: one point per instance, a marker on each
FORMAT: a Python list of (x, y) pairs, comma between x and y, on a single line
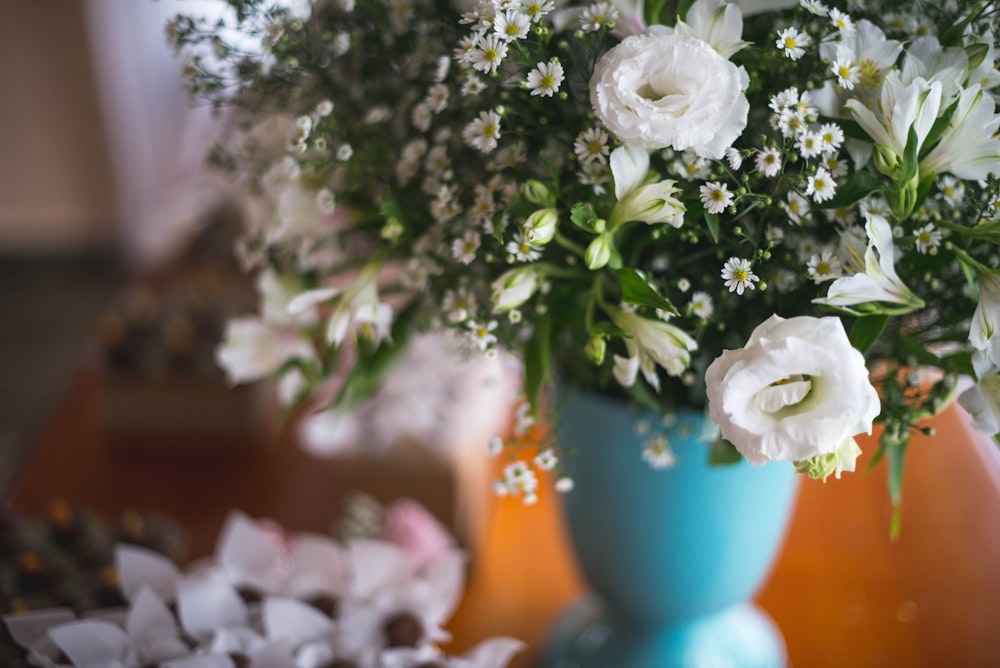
[(673, 556)]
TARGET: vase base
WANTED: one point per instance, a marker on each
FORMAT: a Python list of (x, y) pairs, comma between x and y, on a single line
[(742, 636)]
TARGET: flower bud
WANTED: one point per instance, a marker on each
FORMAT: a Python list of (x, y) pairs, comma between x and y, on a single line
[(598, 252), (540, 227), (651, 203), (514, 287), (538, 193), (595, 349), (820, 467)]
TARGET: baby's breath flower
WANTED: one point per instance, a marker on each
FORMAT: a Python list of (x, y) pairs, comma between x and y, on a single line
[(597, 16), (824, 266), (511, 24), (814, 7), (848, 72), (482, 334), (734, 158), (768, 162), (658, 454), (546, 78), (738, 275), (482, 133), (821, 186), (701, 305), (809, 144), (928, 237), (793, 43), (488, 54), (464, 248), (716, 196), (546, 459), (592, 145), (842, 22)]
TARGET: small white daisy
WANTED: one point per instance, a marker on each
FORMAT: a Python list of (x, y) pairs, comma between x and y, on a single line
[(928, 237), (734, 158), (482, 334), (842, 22), (952, 189), (511, 24), (768, 162), (564, 485), (546, 459), (482, 134), (831, 137), (701, 305), (459, 304), (521, 250), (716, 196), (519, 477), (658, 454), (738, 275), (598, 15), (683, 284), (793, 43), (823, 266), (848, 72), (814, 7), (546, 78), (835, 166), (494, 446), (821, 186), (537, 9), (472, 86), (591, 145), (464, 248), (796, 206), (594, 174), (488, 54), (809, 144)]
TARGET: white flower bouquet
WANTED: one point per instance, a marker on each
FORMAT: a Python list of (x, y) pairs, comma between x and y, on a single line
[(763, 209)]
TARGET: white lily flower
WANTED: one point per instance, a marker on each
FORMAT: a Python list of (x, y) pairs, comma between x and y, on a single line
[(357, 308), (651, 343), (982, 400), (879, 281), (968, 148), (984, 333), (926, 59), (900, 107), (254, 349), (717, 22), (638, 201)]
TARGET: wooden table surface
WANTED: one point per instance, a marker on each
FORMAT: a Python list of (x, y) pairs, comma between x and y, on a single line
[(842, 592)]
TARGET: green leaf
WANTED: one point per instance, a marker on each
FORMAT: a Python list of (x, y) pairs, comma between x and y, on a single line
[(537, 351), (712, 221), (910, 162), (866, 330), (859, 185), (723, 453), (584, 217), (636, 291)]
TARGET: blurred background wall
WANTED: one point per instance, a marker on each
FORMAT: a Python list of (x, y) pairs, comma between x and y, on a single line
[(56, 188)]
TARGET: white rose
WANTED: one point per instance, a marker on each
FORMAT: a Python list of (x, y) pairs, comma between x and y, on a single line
[(796, 390), (670, 90)]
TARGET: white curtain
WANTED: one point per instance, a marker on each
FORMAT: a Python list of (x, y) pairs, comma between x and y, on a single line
[(157, 138)]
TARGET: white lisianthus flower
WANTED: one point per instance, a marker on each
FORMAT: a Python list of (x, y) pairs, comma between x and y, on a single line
[(638, 200), (670, 90), (796, 390), (514, 287), (650, 343)]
